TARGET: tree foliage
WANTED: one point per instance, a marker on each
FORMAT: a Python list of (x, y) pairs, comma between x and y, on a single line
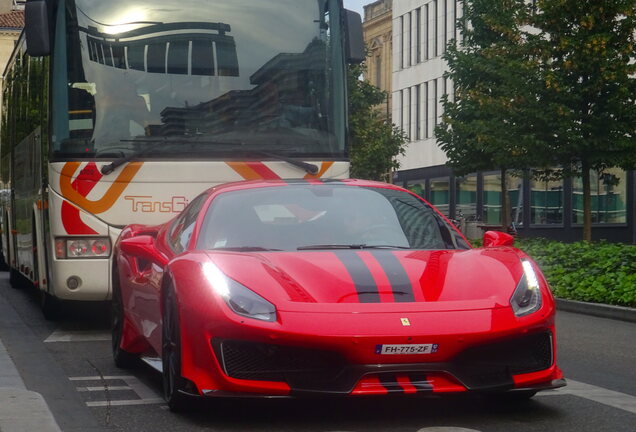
[(544, 85), (586, 52), (495, 120), (374, 142)]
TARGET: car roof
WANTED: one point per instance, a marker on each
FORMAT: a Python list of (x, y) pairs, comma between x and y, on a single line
[(256, 184)]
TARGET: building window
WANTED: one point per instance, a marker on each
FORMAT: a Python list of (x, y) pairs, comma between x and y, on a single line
[(435, 28), (401, 35), (609, 197), (418, 132), (427, 28), (418, 39), (491, 197), (378, 71), (425, 102), (466, 197), (546, 202), (440, 194), (418, 188)]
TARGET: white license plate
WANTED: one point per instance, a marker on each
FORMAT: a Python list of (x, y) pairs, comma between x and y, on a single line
[(406, 349)]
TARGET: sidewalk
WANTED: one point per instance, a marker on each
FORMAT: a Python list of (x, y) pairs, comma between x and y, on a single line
[(21, 410)]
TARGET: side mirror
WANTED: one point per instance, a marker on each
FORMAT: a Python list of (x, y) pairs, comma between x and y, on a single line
[(498, 238), (354, 38), (143, 247), (36, 27)]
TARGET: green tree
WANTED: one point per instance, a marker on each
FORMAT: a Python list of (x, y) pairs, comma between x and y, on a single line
[(495, 120), (375, 143), (586, 52)]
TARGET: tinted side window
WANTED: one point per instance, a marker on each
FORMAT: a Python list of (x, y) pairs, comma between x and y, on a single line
[(183, 226)]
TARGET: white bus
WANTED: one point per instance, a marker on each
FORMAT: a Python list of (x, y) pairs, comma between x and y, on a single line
[(121, 111)]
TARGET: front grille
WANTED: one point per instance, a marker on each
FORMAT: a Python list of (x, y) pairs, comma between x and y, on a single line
[(490, 365), (299, 367)]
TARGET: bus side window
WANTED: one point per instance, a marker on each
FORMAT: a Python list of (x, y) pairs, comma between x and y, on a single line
[(202, 57), (178, 57), (136, 54), (156, 57), (227, 58)]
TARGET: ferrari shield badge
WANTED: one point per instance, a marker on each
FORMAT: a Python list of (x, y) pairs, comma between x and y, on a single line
[(405, 322)]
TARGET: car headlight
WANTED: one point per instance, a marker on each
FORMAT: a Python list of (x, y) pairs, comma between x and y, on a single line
[(239, 298), (527, 297)]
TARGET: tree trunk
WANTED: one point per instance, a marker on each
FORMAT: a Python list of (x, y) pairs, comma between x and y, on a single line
[(505, 202), (587, 202)]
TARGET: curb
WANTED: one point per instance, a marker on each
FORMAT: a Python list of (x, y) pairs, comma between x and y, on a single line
[(20, 409), (620, 313)]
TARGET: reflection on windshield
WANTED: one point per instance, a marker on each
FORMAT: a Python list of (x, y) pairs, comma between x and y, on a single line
[(314, 217), (258, 73)]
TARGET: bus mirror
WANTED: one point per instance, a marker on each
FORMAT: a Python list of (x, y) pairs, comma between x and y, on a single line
[(36, 23), (354, 46)]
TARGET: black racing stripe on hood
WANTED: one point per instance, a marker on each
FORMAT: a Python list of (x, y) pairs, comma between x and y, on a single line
[(395, 272), (361, 275)]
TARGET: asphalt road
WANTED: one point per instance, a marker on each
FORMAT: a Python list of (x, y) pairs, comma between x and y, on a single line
[(69, 363)]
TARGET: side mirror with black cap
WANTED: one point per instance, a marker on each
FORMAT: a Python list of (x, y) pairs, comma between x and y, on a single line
[(354, 38), (36, 26)]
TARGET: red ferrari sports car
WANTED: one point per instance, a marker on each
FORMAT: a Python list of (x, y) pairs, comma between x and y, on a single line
[(350, 287)]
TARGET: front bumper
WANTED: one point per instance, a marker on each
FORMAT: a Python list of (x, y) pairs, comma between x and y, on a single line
[(523, 362)]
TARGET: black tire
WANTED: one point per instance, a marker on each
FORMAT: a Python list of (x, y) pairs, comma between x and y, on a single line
[(123, 359), (173, 383), (3, 263), (51, 306), (15, 279)]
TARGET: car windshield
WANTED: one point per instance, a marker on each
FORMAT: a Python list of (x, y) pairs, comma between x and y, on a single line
[(320, 217), (257, 74)]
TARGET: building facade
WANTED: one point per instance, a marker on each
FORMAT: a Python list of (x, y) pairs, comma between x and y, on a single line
[(421, 31), (378, 37)]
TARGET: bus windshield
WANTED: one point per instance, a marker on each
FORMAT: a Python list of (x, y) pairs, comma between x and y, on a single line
[(198, 78)]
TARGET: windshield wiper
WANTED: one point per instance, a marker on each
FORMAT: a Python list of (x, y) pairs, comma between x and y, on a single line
[(107, 169), (244, 249), (307, 167), (350, 246)]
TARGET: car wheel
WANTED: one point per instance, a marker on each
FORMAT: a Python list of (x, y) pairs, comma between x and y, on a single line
[(50, 306), (173, 383), (123, 359)]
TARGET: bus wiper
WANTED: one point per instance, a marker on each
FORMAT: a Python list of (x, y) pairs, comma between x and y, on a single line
[(107, 169), (350, 246), (244, 249), (307, 167)]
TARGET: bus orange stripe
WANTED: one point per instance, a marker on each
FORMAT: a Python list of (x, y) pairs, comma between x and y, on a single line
[(244, 170), (110, 197), (323, 169)]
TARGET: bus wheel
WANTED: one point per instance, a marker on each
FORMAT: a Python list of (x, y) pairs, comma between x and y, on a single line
[(15, 279), (50, 306), (3, 263)]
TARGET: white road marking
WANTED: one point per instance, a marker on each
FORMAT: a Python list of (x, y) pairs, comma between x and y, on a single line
[(97, 378), (146, 395), (601, 395), (102, 388), (78, 336), (446, 429), (125, 402)]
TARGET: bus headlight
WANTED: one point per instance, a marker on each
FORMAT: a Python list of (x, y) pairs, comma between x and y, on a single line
[(82, 248)]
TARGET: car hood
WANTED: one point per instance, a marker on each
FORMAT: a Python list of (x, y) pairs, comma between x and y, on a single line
[(378, 280)]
